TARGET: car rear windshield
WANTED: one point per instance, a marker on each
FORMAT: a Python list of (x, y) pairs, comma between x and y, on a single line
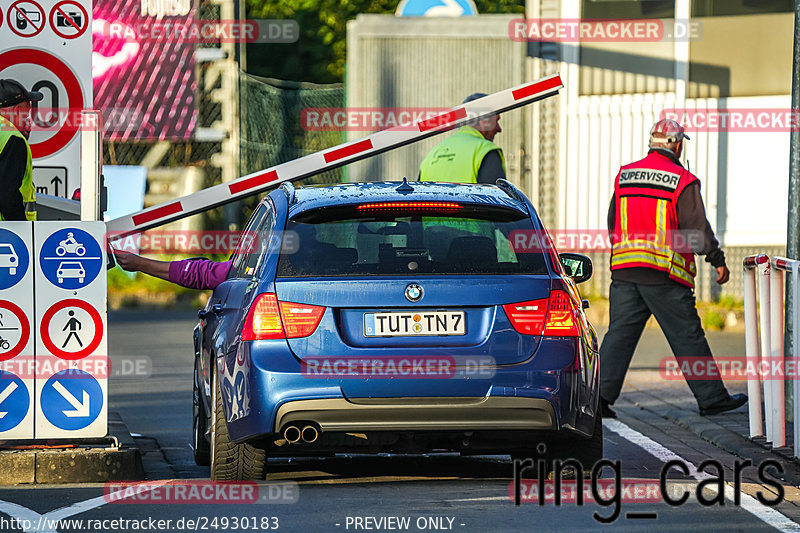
[(377, 242)]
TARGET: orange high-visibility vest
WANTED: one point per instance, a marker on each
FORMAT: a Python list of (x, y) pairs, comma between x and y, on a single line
[(646, 194)]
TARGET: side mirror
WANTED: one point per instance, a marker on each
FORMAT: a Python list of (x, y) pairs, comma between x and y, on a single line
[(577, 266)]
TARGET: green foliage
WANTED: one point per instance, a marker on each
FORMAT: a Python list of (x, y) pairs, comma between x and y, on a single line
[(713, 319), (320, 52)]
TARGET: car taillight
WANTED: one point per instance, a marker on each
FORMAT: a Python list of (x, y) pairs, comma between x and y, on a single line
[(527, 317), (561, 316), (263, 320), (300, 320), (554, 316), (270, 319)]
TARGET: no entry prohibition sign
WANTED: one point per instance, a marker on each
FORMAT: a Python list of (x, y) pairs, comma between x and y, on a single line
[(65, 75)]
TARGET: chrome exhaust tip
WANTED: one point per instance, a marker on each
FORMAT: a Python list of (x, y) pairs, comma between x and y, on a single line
[(310, 434), (292, 434)]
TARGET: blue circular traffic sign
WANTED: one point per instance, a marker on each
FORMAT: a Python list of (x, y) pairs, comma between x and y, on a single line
[(71, 258), (71, 399), (13, 259), (436, 8), (14, 401)]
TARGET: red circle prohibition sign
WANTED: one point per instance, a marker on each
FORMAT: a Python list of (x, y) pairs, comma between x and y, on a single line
[(14, 8), (74, 94), (44, 329), (24, 326), (57, 8)]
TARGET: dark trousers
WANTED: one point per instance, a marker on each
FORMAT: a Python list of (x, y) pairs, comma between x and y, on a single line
[(673, 305)]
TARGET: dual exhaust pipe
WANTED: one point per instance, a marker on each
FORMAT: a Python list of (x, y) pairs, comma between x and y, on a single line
[(294, 433)]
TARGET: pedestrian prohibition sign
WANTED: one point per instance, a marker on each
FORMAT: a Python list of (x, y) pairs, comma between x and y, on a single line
[(71, 329), (14, 401), (71, 399)]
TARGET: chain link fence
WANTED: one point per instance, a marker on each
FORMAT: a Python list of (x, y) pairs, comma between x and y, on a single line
[(271, 128)]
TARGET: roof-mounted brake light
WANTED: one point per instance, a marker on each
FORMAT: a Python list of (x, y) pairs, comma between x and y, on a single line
[(409, 206)]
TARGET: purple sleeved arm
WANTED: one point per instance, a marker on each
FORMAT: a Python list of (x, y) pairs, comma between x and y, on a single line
[(198, 273)]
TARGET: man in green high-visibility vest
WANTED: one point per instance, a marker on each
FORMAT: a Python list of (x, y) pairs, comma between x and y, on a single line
[(467, 156), (17, 192)]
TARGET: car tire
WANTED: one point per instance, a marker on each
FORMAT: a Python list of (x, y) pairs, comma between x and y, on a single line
[(231, 461), (586, 451), (200, 444)]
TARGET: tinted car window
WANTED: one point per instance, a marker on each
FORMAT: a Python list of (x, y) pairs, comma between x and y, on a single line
[(357, 244), (253, 243)]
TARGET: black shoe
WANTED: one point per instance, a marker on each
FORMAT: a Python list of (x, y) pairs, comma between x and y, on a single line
[(728, 404), (605, 409)]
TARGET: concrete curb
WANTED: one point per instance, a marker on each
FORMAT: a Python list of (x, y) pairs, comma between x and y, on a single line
[(88, 463), (730, 441)]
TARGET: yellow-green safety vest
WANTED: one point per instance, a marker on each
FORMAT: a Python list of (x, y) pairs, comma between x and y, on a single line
[(458, 158), (27, 189)]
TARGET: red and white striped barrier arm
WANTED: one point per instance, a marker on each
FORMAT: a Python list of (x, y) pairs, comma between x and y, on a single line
[(335, 157)]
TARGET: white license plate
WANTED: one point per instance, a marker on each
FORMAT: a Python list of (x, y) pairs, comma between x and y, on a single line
[(414, 324)]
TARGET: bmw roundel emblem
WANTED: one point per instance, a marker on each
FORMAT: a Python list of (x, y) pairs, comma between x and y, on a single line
[(413, 292)]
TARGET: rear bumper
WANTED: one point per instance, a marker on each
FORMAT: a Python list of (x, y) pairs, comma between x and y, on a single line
[(546, 393), (420, 414)]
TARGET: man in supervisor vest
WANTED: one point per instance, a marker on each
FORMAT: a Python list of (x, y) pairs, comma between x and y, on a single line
[(467, 156), (17, 192), (657, 223)]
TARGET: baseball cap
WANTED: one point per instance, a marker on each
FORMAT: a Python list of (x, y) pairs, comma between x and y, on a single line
[(473, 96), (669, 131), (12, 93)]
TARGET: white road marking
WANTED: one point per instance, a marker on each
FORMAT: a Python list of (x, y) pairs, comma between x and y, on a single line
[(48, 522), (766, 514)]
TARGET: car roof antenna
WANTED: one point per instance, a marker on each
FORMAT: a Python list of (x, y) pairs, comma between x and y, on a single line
[(405, 187)]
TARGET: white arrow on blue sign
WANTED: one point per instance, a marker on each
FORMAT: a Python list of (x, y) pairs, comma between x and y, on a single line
[(14, 401), (71, 399), (436, 8), (71, 258)]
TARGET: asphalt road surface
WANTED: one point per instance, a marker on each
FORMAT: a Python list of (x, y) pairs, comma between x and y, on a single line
[(437, 492)]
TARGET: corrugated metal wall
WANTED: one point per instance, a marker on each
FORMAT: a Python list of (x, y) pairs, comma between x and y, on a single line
[(433, 62)]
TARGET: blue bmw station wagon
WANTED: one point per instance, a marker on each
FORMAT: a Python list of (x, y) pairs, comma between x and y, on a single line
[(395, 317)]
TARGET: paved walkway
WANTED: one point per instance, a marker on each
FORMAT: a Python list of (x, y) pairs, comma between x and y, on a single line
[(646, 389)]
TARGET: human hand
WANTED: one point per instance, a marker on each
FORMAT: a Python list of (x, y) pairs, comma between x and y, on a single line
[(127, 261), (723, 274)]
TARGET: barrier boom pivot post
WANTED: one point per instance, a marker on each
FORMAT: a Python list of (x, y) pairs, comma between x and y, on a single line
[(335, 157), (751, 343)]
